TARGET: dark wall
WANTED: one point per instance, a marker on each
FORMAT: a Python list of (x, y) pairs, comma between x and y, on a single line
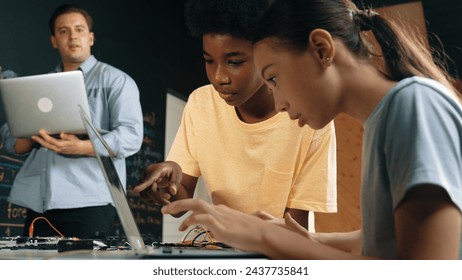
[(149, 41), (444, 22), (146, 39)]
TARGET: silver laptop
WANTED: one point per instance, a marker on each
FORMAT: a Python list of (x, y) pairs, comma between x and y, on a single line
[(47, 101), (104, 156)]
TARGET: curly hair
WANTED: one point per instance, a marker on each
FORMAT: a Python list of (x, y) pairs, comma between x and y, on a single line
[(234, 17)]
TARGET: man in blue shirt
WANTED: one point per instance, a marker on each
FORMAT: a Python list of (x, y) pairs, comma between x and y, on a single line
[(60, 179)]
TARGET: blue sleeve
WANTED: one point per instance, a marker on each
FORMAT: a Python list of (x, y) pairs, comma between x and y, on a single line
[(126, 133), (7, 140), (423, 142)]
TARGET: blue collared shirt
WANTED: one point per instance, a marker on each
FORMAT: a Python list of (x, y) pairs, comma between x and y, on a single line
[(48, 180)]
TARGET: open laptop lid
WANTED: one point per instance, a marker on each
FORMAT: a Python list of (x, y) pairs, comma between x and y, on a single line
[(46, 101), (104, 155)]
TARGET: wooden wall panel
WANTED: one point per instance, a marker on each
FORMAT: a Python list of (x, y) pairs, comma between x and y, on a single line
[(410, 15), (349, 140)]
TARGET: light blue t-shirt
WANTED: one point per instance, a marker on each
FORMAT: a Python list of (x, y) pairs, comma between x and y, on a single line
[(48, 180), (414, 136)]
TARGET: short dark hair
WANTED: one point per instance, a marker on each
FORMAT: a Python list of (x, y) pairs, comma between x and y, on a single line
[(66, 9), (235, 17)]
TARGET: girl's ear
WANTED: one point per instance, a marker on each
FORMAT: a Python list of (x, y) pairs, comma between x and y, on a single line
[(322, 45)]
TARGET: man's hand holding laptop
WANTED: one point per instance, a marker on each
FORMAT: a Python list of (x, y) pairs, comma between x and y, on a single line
[(66, 144)]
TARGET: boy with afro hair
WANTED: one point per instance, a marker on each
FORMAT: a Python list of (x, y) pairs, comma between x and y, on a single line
[(251, 157)]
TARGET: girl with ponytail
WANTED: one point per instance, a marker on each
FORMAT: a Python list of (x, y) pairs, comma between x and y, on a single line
[(315, 56)]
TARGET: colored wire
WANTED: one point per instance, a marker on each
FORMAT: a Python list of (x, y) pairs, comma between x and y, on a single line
[(31, 227)]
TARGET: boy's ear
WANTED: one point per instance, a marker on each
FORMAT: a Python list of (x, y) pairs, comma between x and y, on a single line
[(322, 45)]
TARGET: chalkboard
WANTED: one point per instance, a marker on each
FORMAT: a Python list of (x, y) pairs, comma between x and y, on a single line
[(11, 216), (148, 218), (160, 54)]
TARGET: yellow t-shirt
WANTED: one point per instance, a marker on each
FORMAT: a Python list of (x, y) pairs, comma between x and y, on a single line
[(265, 166)]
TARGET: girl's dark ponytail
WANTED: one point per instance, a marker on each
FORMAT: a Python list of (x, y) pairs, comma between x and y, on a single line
[(404, 54)]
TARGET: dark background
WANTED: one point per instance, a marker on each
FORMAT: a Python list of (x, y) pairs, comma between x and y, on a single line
[(148, 40)]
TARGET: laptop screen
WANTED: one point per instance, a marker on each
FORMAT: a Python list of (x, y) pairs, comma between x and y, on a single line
[(104, 156)]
